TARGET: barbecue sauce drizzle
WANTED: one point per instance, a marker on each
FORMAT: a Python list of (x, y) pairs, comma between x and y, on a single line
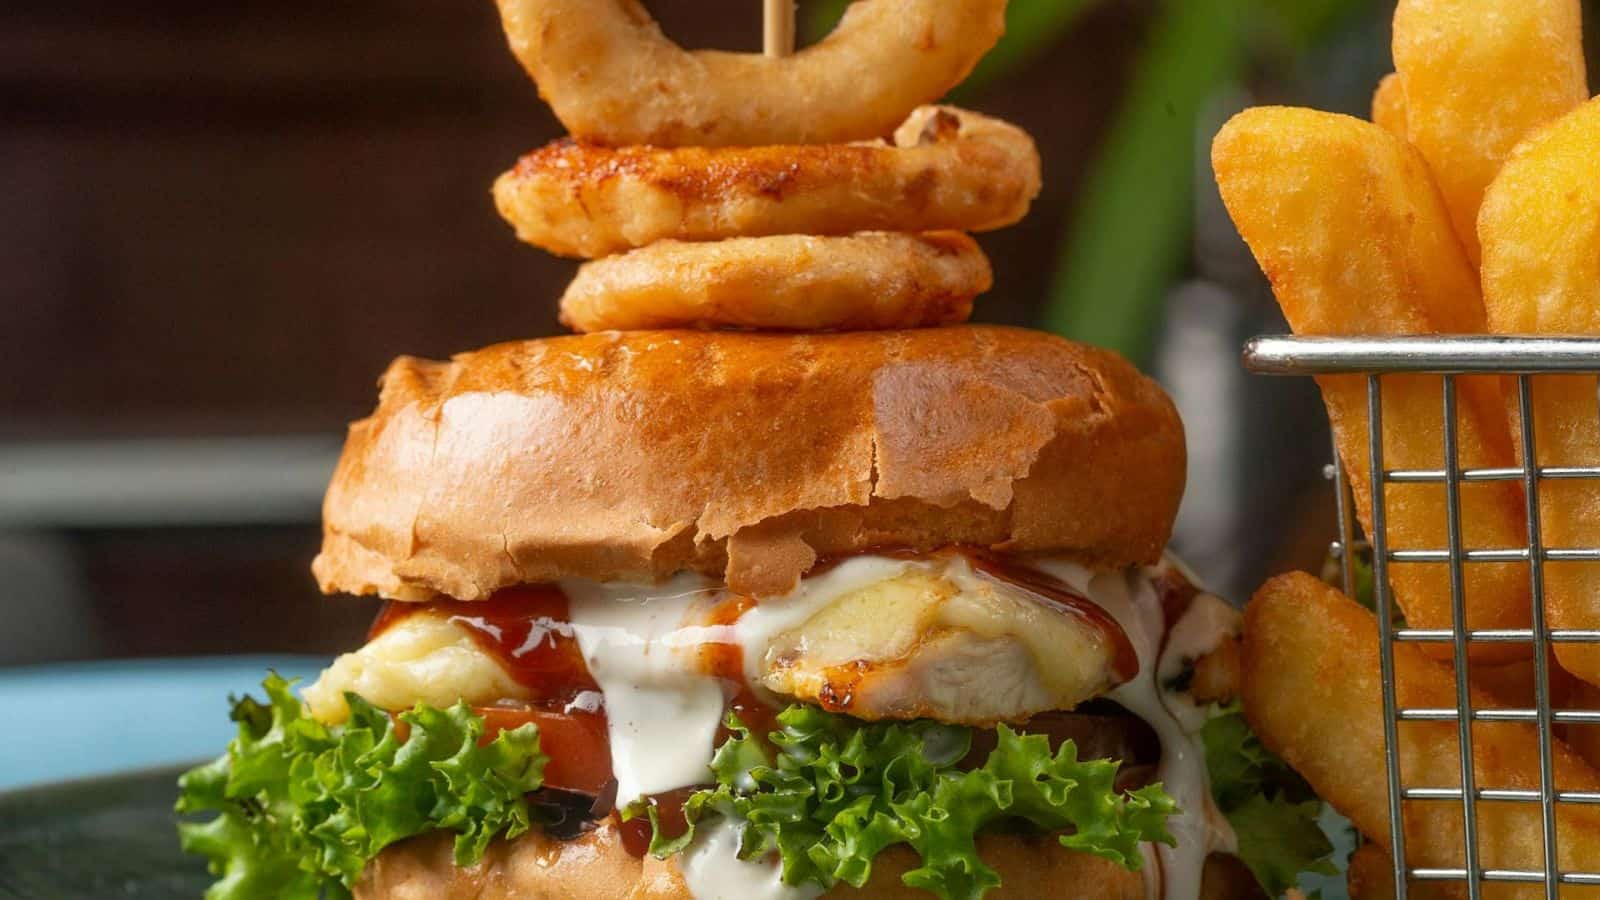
[(1124, 659), (527, 629), (1016, 573)]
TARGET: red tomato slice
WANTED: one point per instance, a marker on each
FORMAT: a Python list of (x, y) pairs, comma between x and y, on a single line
[(579, 750)]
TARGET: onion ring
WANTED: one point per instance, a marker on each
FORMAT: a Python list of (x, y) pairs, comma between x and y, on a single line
[(948, 169), (612, 77), (870, 281)]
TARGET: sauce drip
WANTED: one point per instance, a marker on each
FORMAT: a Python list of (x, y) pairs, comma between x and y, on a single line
[(525, 628), (725, 661), (1174, 590), (1047, 587), (1017, 573), (528, 630)]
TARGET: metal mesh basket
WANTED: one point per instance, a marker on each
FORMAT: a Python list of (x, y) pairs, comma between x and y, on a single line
[(1521, 359)]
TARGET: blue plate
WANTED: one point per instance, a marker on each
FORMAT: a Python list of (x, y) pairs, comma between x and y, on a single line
[(82, 719)]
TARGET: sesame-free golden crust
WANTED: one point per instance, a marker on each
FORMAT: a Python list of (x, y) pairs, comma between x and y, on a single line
[(792, 282), (947, 169), (611, 76), (633, 455), (596, 867)]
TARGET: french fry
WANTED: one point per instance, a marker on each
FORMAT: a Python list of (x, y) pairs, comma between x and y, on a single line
[(1479, 76), (1583, 739), (1371, 877), (1389, 106), (1541, 274), (1368, 874), (1312, 692), (1512, 685), (1348, 227)]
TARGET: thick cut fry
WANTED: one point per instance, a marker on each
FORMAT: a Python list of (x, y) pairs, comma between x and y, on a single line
[(1480, 75), (1389, 106), (1541, 274), (1345, 222), (1369, 874), (1371, 877), (1585, 739), (1512, 685), (1312, 691)]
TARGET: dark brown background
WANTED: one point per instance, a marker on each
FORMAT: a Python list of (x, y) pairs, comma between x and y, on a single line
[(235, 214), (226, 218)]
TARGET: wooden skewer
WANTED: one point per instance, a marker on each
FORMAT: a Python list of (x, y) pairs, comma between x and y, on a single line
[(778, 27)]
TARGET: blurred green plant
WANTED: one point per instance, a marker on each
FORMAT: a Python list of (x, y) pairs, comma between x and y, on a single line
[(1129, 234), (1127, 238), (1032, 26)]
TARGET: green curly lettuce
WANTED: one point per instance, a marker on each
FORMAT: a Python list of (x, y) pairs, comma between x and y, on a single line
[(1272, 810), (303, 806), (837, 792)]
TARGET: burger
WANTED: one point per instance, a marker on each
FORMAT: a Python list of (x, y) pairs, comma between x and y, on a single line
[(700, 614), (731, 598)]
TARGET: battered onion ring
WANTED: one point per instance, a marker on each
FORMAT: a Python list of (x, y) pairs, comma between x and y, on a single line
[(947, 169), (612, 77), (789, 283)]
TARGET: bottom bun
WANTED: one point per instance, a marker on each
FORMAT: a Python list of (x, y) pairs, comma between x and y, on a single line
[(597, 867)]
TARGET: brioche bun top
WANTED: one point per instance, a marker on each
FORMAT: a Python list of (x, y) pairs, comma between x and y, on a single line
[(631, 456)]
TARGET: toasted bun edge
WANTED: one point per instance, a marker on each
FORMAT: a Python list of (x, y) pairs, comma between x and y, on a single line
[(633, 455)]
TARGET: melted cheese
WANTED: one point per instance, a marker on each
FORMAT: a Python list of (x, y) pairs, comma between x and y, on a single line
[(419, 659), (929, 638), (641, 644), (959, 638), (759, 630)]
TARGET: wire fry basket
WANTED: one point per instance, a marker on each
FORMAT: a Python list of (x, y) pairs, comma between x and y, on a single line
[(1521, 359)]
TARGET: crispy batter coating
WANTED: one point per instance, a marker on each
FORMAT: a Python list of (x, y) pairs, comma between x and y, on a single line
[(1371, 877), (1346, 223), (946, 169), (1480, 75), (1540, 226), (612, 77), (1389, 105), (1312, 691), (862, 282)]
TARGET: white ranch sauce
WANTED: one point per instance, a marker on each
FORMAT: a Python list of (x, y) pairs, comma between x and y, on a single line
[(713, 870), (663, 712), (662, 709), (1131, 599), (755, 631)]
